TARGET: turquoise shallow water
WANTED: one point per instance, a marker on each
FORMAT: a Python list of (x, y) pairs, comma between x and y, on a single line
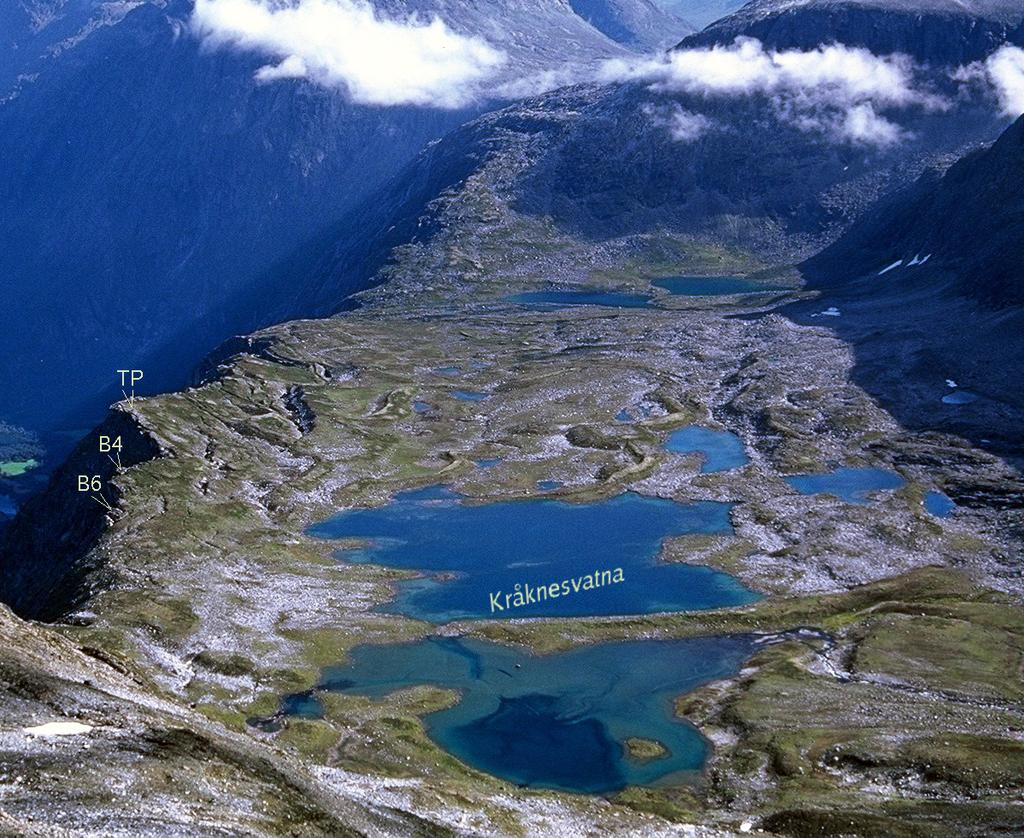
[(553, 721), (590, 559), (585, 297), (722, 450), (712, 286), (853, 485)]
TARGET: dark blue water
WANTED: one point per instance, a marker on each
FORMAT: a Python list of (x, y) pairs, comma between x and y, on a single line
[(489, 462), (469, 396), (421, 406), (305, 705), (938, 504), (712, 286), (486, 550), (853, 485), (554, 721), (722, 450), (549, 485), (590, 297)]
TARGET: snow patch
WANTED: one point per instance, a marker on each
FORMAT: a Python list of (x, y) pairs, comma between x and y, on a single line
[(58, 729), (891, 267)]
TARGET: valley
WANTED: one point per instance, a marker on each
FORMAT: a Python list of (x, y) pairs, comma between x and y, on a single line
[(214, 594), (646, 461)]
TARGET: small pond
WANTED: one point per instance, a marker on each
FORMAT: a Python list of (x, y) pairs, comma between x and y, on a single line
[(958, 397), (853, 485), (721, 450), (938, 504)]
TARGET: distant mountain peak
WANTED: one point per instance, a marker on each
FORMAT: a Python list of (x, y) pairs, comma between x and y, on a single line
[(638, 24)]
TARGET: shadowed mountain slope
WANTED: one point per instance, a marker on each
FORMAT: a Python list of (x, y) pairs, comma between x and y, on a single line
[(967, 222), (936, 31), (600, 163), (148, 181), (929, 286)]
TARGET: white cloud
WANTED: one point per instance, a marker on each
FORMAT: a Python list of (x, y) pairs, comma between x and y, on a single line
[(683, 126), (346, 44), (1005, 68), (542, 81), (686, 126), (861, 124), (293, 67), (834, 89)]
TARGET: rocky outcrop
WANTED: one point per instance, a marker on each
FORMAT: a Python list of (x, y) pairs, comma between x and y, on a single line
[(74, 713)]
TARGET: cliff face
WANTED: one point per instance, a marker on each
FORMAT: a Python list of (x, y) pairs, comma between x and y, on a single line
[(47, 561)]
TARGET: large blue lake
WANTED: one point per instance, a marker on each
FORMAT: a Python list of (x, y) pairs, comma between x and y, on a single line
[(537, 557), (553, 721), (713, 286), (580, 297)]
